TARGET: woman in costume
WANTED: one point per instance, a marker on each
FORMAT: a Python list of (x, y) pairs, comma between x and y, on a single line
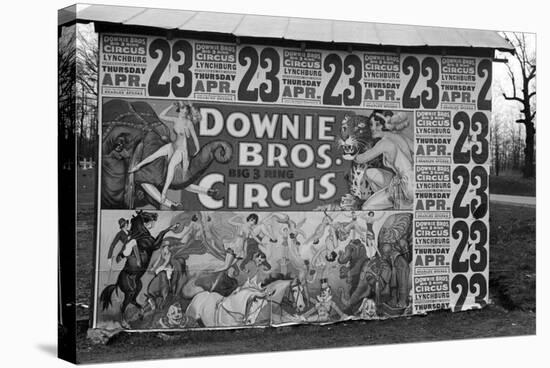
[(176, 152), (392, 190), (250, 233)]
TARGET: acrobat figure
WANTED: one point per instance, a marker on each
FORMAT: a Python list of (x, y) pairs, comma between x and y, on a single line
[(252, 235), (246, 243), (284, 246), (392, 189), (370, 242), (163, 264), (339, 231), (331, 241), (293, 228), (354, 227), (193, 231), (319, 231), (323, 305), (176, 152)]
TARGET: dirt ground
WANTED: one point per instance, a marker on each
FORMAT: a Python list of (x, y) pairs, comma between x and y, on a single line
[(512, 312), (492, 321)]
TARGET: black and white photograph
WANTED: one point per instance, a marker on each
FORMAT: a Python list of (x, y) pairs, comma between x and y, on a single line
[(242, 178)]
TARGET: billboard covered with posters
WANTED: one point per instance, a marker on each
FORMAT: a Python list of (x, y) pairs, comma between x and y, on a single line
[(250, 185)]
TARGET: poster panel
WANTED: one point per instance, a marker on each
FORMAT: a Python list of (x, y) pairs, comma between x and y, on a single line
[(253, 185)]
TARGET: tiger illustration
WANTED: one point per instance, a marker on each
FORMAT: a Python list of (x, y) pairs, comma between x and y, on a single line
[(381, 175), (355, 138)]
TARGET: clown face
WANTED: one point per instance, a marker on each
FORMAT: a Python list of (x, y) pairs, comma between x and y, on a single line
[(368, 309), (174, 314)]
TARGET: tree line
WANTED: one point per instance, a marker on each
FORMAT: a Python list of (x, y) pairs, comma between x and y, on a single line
[(78, 57)]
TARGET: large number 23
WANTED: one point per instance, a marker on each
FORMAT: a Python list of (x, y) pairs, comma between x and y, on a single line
[(182, 83), (479, 127), (479, 203), (268, 58), (430, 67)]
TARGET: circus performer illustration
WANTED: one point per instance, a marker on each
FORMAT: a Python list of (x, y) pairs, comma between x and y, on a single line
[(170, 275), (279, 251), (177, 151), (129, 278), (370, 237), (162, 263), (391, 188), (324, 252), (195, 233), (245, 244), (338, 231), (293, 229), (250, 235), (323, 306), (122, 236), (188, 231), (380, 148), (144, 155), (320, 229), (258, 270), (224, 236), (353, 227)]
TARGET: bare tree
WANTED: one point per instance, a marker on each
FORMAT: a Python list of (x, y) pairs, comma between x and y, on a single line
[(66, 59), (524, 91), (87, 57), (78, 58), (87, 60)]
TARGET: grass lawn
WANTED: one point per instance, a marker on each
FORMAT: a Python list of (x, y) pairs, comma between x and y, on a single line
[(512, 256), (512, 185), (85, 240)]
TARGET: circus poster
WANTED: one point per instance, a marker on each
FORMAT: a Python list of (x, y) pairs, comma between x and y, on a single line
[(252, 185)]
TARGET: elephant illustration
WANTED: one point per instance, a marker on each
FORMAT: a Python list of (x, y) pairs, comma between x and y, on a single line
[(355, 253), (373, 282), (395, 247), (386, 278)]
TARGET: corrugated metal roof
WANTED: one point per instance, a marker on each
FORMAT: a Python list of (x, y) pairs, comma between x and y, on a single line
[(298, 29)]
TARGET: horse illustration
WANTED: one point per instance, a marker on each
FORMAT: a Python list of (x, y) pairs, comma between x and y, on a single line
[(294, 301), (129, 279), (245, 306), (297, 296)]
